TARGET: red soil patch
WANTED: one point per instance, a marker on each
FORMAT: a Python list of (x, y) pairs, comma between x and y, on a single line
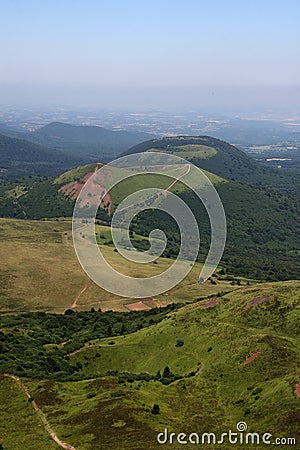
[(73, 189), (88, 283), (257, 300), (209, 304), (252, 358), (137, 306), (297, 390)]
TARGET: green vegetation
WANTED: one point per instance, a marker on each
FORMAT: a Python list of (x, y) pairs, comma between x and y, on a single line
[(20, 158), (201, 359), (263, 231), (262, 223), (227, 161), (135, 385), (30, 344)]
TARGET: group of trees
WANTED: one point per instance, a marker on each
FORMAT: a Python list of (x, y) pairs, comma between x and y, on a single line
[(30, 344)]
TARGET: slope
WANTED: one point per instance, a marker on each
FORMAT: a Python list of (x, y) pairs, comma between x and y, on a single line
[(262, 224), (19, 158), (208, 366), (86, 141)]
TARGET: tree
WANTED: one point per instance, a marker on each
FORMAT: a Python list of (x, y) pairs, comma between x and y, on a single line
[(179, 342), (167, 372)]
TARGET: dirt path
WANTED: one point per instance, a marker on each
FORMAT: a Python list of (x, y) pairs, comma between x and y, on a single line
[(179, 177), (252, 358), (87, 347), (88, 283), (41, 414)]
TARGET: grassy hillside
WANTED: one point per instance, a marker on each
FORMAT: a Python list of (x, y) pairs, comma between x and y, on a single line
[(87, 141), (208, 366), (220, 158), (262, 223)]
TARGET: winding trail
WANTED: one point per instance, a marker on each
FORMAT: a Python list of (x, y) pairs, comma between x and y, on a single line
[(179, 176), (40, 413), (88, 283)]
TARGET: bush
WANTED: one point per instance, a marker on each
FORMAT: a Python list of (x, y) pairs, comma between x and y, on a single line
[(117, 394), (91, 395), (179, 342), (155, 409)]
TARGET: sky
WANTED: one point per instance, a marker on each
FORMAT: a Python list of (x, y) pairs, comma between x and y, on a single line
[(131, 53)]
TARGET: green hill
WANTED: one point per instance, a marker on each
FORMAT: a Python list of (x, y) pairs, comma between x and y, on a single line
[(220, 158), (208, 366)]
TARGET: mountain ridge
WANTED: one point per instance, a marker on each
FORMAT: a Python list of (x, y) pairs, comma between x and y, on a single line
[(87, 140)]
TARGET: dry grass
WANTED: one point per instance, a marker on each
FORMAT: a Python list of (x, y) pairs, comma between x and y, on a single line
[(39, 271)]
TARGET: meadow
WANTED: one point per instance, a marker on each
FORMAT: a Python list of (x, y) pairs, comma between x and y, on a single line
[(40, 271)]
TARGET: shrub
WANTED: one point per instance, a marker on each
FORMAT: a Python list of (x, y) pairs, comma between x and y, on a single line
[(179, 342), (117, 394), (91, 395), (155, 409)]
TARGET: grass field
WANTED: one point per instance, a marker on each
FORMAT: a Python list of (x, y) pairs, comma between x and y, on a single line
[(40, 271)]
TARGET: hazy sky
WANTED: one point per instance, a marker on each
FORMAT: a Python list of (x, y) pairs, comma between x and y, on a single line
[(162, 53)]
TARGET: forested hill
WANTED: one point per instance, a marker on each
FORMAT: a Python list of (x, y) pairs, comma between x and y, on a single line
[(19, 158), (87, 141)]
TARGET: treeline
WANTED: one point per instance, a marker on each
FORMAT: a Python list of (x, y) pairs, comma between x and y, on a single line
[(37, 345)]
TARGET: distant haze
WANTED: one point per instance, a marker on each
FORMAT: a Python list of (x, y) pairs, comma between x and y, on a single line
[(163, 53)]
